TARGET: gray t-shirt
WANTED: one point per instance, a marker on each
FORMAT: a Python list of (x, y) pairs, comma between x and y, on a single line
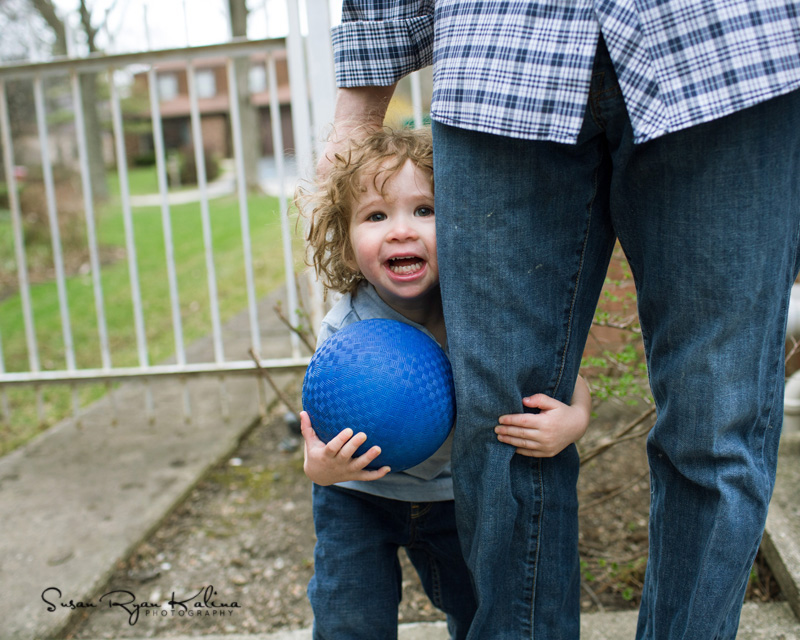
[(429, 481)]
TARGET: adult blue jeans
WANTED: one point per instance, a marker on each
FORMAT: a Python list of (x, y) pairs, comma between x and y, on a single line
[(357, 583), (708, 218)]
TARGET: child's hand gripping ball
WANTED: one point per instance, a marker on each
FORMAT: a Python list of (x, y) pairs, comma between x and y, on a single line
[(387, 379)]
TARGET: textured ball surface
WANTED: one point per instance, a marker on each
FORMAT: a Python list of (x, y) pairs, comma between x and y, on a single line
[(387, 379)]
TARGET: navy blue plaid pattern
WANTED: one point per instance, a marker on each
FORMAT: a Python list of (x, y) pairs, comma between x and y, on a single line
[(679, 62)]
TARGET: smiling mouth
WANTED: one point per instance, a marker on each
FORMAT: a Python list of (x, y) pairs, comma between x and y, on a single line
[(405, 265)]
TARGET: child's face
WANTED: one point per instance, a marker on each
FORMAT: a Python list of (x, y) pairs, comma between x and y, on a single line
[(393, 235)]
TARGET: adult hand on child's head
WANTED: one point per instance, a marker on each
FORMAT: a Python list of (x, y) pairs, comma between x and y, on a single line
[(327, 464), (359, 112)]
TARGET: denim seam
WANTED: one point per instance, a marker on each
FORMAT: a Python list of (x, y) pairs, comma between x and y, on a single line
[(436, 581), (536, 548), (777, 366), (778, 363), (411, 526), (419, 510), (570, 316)]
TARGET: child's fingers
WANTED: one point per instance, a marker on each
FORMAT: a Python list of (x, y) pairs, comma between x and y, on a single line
[(306, 430), (537, 401), (526, 447), (367, 457), (375, 474), (353, 443), (531, 453), (524, 420), (512, 432), (519, 442), (338, 442), (541, 401)]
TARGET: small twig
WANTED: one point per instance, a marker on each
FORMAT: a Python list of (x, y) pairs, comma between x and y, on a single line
[(636, 422), (263, 372), (618, 437), (625, 325), (593, 552), (638, 556), (630, 436), (607, 443), (301, 303), (593, 596), (613, 494), (619, 366), (300, 334), (793, 350)]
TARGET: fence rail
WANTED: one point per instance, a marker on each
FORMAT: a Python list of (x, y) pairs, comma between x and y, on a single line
[(36, 73), (308, 91)]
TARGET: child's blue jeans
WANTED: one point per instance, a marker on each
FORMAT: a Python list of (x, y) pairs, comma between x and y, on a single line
[(357, 583), (709, 219)]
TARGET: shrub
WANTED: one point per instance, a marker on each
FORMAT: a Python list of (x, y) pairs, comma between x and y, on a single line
[(147, 159), (188, 169)]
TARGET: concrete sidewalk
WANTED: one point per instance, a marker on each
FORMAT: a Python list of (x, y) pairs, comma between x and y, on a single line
[(225, 184), (759, 622), (78, 499)]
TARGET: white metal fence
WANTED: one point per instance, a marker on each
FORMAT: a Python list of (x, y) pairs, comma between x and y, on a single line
[(312, 94), (304, 141)]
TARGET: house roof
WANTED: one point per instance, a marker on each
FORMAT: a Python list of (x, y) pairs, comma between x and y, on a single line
[(180, 105)]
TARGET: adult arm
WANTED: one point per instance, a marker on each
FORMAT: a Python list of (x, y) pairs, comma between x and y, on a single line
[(359, 111), (376, 44)]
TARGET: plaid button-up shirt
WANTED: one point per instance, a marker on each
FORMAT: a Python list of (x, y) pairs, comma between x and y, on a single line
[(522, 68)]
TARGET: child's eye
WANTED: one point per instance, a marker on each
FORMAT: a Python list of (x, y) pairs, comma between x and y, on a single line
[(424, 212), (376, 217)]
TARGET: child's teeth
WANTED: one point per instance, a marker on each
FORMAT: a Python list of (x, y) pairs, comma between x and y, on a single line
[(407, 268)]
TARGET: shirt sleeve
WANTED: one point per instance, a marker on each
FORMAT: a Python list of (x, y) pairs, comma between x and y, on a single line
[(380, 41)]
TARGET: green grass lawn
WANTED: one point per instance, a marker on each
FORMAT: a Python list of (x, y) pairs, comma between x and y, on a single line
[(192, 284)]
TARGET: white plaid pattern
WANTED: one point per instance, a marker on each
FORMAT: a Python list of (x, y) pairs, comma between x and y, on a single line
[(679, 62)]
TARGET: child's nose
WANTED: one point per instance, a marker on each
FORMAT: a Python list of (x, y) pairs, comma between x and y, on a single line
[(402, 229)]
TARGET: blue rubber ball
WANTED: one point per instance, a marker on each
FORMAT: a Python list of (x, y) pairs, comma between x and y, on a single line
[(387, 379)]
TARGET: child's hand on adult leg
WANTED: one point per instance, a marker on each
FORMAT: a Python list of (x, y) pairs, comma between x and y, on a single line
[(327, 464), (555, 427)]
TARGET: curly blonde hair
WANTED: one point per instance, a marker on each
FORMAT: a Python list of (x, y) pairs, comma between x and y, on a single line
[(330, 204)]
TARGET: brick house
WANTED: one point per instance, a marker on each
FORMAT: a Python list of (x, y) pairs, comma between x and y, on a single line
[(211, 79)]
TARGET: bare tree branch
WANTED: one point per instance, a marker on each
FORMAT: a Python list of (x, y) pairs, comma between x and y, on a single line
[(795, 348), (593, 596), (612, 494), (620, 436), (265, 374), (626, 324), (47, 10), (300, 334), (86, 21)]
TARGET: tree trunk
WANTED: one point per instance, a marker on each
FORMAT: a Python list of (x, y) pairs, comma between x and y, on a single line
[(94, 136), (88, 88), (251, 136), (94, 132)]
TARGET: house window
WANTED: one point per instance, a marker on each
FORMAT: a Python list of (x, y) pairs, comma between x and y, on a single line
[(167, 86), (258, 79), (206, 83)]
